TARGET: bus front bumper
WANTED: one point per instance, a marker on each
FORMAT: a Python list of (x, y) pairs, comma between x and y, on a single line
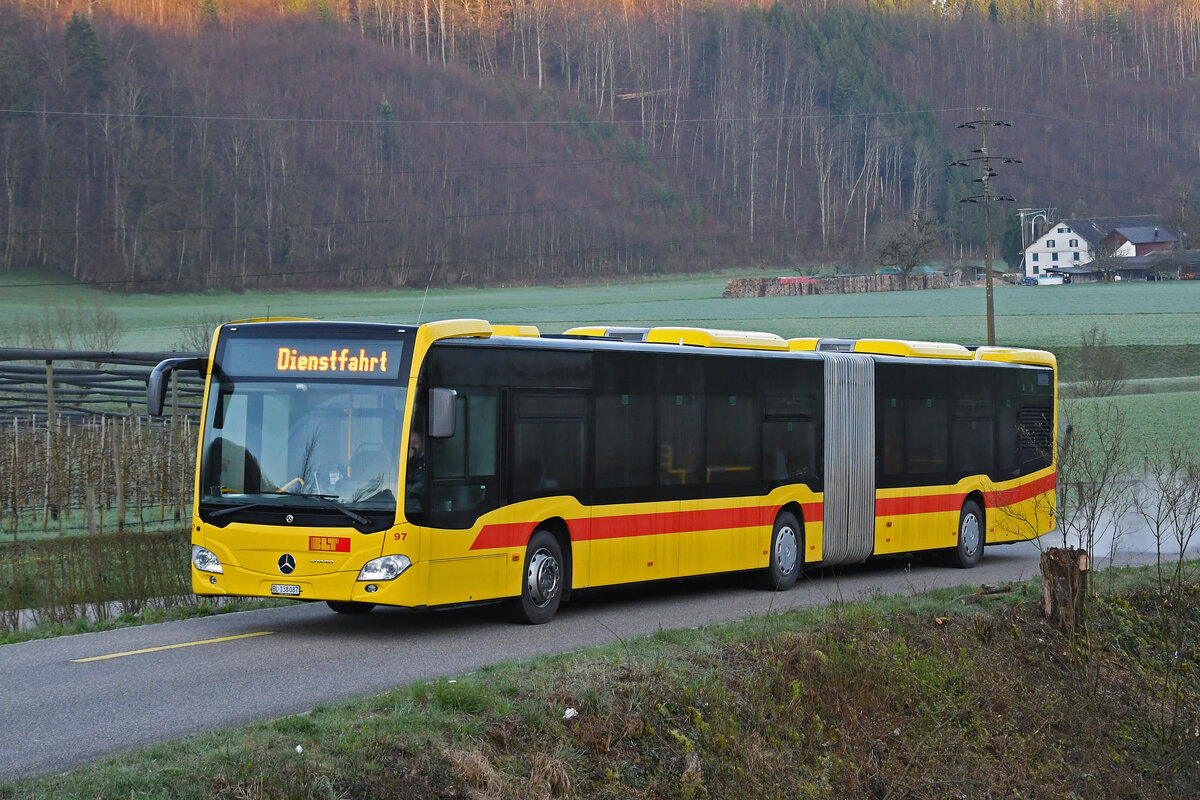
[(407, 589)]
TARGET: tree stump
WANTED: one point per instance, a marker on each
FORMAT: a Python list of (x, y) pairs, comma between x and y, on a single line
[(1064, 586)]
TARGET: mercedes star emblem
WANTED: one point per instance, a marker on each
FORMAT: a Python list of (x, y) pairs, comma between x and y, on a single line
[(287, 564)]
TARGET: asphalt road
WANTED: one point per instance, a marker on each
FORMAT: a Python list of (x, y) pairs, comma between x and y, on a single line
[(161, 682)]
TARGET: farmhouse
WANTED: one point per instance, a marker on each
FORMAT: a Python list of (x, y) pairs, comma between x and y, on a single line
[(1124, 248)]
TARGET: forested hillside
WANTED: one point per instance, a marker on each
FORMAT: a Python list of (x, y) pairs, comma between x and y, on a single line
[(156, 145)]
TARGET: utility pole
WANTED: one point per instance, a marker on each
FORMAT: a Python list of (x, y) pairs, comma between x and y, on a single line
[(984, 159)]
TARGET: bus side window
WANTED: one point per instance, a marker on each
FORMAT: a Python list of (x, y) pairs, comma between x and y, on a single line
[(926, 425), (625, 446), (789, 441), (680, 407), (416, 470), (732, 415), (462, 473), (548, 441), (890, 422), (625, 440), (972, 434)]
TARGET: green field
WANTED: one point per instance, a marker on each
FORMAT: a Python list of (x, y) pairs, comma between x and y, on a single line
[(1146, 314)]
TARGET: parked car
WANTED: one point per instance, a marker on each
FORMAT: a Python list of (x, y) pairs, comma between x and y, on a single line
[(1028, 281)]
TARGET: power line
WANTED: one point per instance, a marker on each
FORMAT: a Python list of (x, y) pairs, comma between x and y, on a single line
[(460, 122), (1102, 123), (1073, 120)]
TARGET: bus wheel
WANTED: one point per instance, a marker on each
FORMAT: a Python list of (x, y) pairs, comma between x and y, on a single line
[(349, 607), (542, 581), (787, 541), (970, 537)]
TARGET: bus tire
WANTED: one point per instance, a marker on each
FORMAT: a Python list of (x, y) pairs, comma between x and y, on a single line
[(541, 580), (971, 533), (787, 548), (349, 606)]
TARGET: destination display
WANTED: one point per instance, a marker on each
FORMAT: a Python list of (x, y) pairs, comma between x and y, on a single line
[(311, 358)]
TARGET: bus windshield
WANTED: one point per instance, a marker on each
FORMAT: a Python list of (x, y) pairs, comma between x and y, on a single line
[(329, 448)]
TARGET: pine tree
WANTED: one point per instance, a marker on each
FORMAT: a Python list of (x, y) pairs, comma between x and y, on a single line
[(87, 66), (210, 13)]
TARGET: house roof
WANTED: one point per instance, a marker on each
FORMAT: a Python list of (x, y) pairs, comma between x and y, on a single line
[(1148, 234), (1095, 229), (1187, 258)]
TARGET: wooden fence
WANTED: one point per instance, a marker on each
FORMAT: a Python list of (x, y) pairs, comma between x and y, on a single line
[(78, 383), (841, 284)]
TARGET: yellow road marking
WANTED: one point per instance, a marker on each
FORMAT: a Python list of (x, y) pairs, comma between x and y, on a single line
[(171, 647)]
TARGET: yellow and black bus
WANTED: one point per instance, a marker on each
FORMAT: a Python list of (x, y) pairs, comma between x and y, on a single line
[(459, 461)]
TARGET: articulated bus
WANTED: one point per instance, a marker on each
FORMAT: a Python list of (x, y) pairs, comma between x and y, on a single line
[(458, 461)]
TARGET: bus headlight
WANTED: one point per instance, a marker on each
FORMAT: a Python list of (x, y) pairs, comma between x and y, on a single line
[(204, 560), (387, 568)]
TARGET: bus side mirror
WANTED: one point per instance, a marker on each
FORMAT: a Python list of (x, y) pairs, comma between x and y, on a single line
[(442, 412), (156, 386)]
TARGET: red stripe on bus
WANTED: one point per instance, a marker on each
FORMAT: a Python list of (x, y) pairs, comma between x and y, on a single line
[(934, 503), (925, 504), (511, 534), (670, 522), (516, 534), (1008, 497)]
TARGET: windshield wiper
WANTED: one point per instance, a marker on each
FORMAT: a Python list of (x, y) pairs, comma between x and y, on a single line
[(231, 509), (241, 506), (329, 500), (221, 512)]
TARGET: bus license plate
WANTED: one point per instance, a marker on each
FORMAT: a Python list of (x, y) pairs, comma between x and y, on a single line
[(285, 588)]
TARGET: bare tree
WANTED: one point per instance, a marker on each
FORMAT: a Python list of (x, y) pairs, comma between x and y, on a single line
[(1169, 503), (906, 246), (195, 333), (1168, 500), (823, 155), (1093, 472), (1101, 371), (1107, 261), (77, 328), (1185, 214), (1091, 498)]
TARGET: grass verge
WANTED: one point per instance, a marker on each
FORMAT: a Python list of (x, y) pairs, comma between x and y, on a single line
[(934, 696), (60, 580)]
